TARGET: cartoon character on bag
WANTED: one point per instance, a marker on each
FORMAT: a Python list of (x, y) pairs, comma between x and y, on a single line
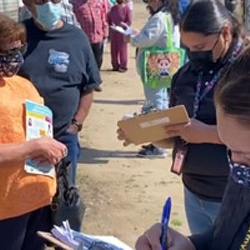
[(152, 64), (164, 65)]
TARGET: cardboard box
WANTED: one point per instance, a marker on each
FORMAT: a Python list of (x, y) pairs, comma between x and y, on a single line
[(151, 127)]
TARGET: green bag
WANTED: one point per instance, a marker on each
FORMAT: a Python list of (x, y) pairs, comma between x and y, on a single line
[(160, 64)]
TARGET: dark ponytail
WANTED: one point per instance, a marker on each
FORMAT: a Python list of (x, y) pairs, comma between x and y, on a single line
[(172, 6), (208, 17)]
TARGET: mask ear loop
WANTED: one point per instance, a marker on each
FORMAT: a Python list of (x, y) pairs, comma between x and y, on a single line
[(217, 40), (225, 40), (229, 156)]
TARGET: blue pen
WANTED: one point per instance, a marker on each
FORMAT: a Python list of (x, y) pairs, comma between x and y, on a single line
[(164, 223)]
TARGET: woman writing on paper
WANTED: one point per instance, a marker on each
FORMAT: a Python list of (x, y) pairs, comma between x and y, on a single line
[(154, 33), (213, 39), (24, 197)]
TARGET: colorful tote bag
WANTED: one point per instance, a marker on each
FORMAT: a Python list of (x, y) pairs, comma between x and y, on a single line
[(160, 64)]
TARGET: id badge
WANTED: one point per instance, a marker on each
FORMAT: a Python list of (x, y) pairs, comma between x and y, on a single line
[(179, 159)]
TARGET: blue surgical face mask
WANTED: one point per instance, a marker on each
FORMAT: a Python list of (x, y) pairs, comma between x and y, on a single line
[(49, 14)]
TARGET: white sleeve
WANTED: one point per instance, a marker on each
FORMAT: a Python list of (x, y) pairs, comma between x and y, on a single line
[(176, 36), (150, 33)]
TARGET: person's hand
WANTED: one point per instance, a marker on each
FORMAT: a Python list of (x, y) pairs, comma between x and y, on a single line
[(46, 150), (193, 132), (73, 129), (150, 240), (122, 137), (126, 39), (124, 25)]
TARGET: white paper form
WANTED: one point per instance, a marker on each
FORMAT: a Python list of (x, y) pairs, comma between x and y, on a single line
[(38, 124), (80, 241)]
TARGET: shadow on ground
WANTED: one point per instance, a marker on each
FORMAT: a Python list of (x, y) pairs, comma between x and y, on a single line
[(98, 156), (120, 102)]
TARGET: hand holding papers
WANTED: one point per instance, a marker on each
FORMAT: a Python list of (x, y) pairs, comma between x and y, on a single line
[(151, 127), (69, 239), (126, 32), (38, 124), (65, 235)]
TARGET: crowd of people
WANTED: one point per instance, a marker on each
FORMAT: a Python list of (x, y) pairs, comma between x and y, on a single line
[(66, 39)]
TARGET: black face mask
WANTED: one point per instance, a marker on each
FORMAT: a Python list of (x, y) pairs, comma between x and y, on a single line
[(202, 59)]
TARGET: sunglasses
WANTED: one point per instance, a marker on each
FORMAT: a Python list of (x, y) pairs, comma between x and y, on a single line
[(22, 49), (40, 2)]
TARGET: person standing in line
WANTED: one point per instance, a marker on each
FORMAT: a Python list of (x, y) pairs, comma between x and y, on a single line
[(92, 16), (130, 4), (119, 15), (154, 34), (231, 228), (25, 197), (212, 42), (60, 63), (68, 15)]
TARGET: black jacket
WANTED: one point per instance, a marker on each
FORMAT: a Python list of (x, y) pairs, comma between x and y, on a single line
[(231, 229), (206, 169)]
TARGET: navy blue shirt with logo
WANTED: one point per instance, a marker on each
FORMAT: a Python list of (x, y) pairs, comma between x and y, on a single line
[(61, 65)]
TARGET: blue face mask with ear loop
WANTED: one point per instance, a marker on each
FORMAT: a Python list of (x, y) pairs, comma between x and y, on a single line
[(49, 14)]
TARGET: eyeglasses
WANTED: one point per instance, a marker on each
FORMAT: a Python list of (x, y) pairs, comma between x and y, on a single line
[(22, 49), (40, 2)]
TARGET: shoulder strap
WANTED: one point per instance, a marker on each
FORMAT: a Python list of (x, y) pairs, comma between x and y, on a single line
[(169, 42), (169, 33)]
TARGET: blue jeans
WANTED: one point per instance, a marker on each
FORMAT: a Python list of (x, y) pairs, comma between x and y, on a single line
[(73, 146), (200, 213), (157, 97)]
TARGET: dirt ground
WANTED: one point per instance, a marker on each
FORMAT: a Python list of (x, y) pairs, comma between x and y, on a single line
[(123, 194)]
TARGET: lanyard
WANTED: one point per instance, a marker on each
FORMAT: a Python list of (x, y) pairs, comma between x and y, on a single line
[(198, 95), (209, 85)]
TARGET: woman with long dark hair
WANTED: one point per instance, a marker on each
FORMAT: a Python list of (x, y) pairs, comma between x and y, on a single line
[(213, 39), (232, 227)]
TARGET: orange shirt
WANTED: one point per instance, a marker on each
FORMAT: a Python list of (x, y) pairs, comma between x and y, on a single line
[(20, 192)]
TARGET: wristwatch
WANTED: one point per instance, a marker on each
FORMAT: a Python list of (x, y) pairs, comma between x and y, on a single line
[(78, 124)]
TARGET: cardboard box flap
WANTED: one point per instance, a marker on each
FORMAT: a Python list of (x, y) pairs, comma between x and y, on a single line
[(151, 127)]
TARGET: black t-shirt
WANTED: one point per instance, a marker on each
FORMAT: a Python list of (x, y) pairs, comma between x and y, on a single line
[(206, 167), (61, 65)]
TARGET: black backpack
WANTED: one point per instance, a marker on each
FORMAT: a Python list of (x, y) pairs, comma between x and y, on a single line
[(67, 203)]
